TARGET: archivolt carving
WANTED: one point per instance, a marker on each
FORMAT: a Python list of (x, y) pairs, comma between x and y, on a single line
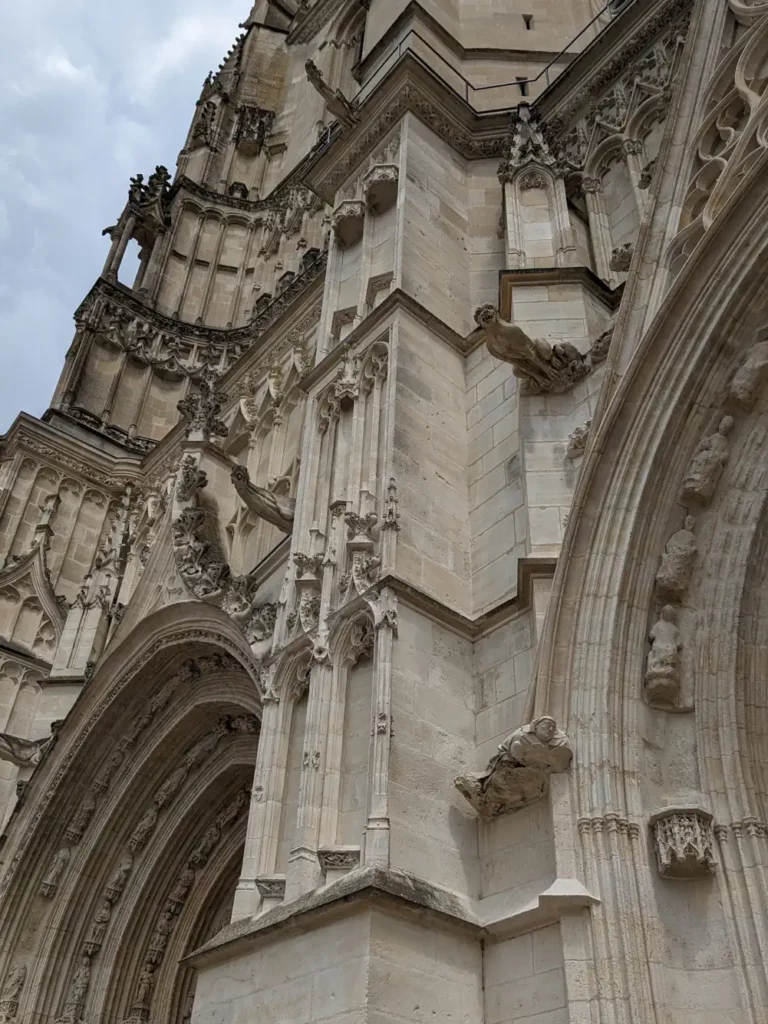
[(215, 662)]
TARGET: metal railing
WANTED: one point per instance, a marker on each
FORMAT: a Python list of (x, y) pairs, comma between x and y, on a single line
[(466, 89)]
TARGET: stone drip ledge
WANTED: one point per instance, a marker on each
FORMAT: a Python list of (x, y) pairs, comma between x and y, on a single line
[(492, 916)]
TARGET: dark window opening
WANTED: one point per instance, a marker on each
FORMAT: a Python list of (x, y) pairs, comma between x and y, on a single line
[(528, 19), (522, 84)]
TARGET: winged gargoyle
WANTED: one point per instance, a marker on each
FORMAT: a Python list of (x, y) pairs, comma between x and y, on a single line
[(335, 100), (266, 505), (542, 367)]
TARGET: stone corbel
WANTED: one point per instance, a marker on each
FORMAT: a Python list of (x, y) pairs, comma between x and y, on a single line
[(682, 839), (541, 366), (336, 861), (519, 774), (347, 222), (380, 187)]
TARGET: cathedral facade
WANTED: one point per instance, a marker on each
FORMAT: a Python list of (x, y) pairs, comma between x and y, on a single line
[(380, 596)]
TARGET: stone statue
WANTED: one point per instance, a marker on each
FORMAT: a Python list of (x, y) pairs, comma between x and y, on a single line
[(750, 377), (50, 883), (78, 989), (707, 464), (677, 562), (337, 103), (577, 440), (662, 676), (184, 883), (99, 925), (541, 366), (171, 786), (116, 884), (276, 510), (143, 830), (519, 773), (23, 753), (145, 986)]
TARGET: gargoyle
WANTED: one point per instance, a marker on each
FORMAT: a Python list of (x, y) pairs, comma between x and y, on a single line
[(23, 753), (335, 100), (541, 366), (276, 510)]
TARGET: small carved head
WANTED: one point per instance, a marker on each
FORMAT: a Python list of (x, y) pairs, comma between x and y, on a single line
[(669, 613), (726, 425), (545, 728), (486, 315)]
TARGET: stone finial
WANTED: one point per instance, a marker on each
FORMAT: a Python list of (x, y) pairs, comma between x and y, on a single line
[(541, 367), (519, 773), (682, 838), (201, 412), (531, 143)]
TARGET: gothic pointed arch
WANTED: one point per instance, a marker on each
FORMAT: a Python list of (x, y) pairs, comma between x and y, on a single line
[(653, 649), (123, 854)]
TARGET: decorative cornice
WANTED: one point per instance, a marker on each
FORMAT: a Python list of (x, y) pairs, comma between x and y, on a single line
[(218, 337), (618, 45), (409, 87)]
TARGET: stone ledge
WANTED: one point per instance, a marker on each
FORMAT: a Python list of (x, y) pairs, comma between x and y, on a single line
[(363, 885), (494, 916)]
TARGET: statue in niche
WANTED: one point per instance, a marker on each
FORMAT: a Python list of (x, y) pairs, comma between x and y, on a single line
[(274, 509), (78, 989), (23, 753), (116, 884), (143, 830), (542, 367), (50, 883), (750, 377), (706, 466), (145, 986), (99, 925), (677, 562), (662, 676), (519, 773)]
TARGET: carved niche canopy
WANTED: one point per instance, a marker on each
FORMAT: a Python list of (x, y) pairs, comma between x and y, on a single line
[(682, 839)]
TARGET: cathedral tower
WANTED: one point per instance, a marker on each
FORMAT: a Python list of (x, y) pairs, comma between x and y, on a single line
[(382, 596)]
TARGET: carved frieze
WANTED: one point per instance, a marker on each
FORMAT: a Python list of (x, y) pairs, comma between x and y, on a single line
[(519, 773), (339, 858)]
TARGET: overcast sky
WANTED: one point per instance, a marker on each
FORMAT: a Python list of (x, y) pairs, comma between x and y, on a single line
[(93, 91)]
